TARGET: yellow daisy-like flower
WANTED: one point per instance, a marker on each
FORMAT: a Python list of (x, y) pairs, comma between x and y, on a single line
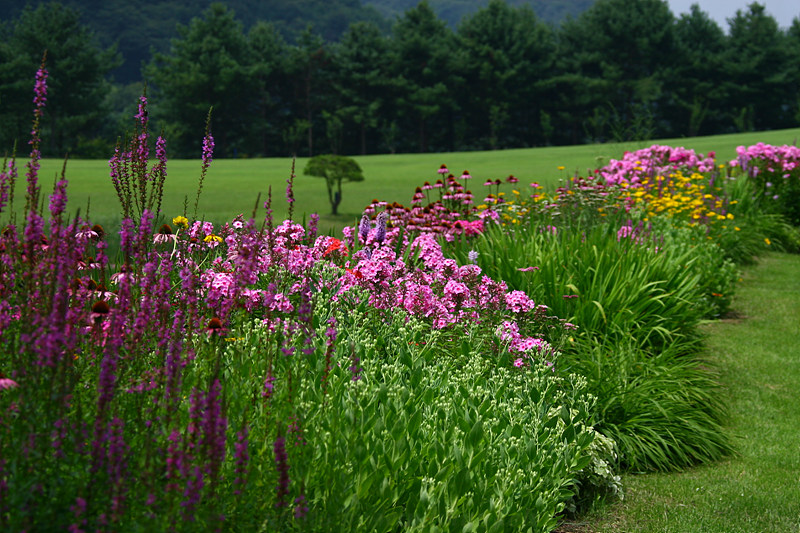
[(212, 238), (769, 242), (181, 221), (561, 167)]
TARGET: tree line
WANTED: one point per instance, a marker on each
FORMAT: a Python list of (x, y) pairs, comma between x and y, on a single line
[(622, 70)]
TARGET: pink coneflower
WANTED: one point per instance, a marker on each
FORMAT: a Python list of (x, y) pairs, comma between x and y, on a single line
[(88, 263), (488, 183), (511, 179), (123, 274), (100, 310), (443, 170), (164, 235), (214, 326), (86, 234), (466, 175), (427, 186)]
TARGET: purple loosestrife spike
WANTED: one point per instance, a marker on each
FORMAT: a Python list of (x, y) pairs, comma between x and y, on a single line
[(290, 191), (282, 465), (242, 458), (300, 507), (214, 428), (192, 493), (39, 100), (312, 227), (141, 115), (208, 153)]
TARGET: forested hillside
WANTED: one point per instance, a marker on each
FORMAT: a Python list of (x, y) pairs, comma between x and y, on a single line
[(139, 28), (503, 78), (453, 11)]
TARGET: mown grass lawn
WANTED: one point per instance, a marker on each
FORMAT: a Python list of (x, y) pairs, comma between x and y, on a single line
[(231, 185), (758, 352)]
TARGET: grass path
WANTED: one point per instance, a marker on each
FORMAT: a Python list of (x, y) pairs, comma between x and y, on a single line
[(758, 490)]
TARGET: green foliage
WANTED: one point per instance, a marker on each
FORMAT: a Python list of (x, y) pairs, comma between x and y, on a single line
[(77, 83), (334, 169), (664, 293), (638, 303), (454, 11), (434, 433), (663, 408), (754, 226), (209, 67), (507, 53)]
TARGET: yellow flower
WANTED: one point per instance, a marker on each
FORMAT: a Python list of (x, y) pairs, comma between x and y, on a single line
[(769, 242), (737, 228), (561, 167), (212, 238), (180, 221)]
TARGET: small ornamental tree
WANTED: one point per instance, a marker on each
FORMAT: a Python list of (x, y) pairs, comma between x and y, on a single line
[(335, 169)]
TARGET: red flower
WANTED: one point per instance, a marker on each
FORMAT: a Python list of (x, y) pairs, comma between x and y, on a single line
[(356, 273), (335, 244)]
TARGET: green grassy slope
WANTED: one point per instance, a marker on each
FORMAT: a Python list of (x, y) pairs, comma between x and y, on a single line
[(231, 186)]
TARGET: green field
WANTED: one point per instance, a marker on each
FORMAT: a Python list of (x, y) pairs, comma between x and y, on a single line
[(232, 185)]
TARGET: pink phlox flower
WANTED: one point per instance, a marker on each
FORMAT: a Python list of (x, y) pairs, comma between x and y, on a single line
[(507, 331), (529, 344), (519, 302), (7, 383)]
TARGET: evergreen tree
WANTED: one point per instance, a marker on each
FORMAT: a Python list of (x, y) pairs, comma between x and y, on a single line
[(793, 74), (508, 53), (364, 83), (270, 101), (698, 88), (207, 67), (624, 52), (76, 85), (423, 52), (756, 61), (311, 66)]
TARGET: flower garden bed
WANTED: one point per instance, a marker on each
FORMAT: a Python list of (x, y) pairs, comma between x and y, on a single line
[(444, 365)]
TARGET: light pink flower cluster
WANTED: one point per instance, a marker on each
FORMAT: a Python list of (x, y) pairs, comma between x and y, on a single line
[(777, 159), (654, 161)]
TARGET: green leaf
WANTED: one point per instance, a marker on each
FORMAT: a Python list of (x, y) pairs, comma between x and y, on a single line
[(476, 434), (497, 526)]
